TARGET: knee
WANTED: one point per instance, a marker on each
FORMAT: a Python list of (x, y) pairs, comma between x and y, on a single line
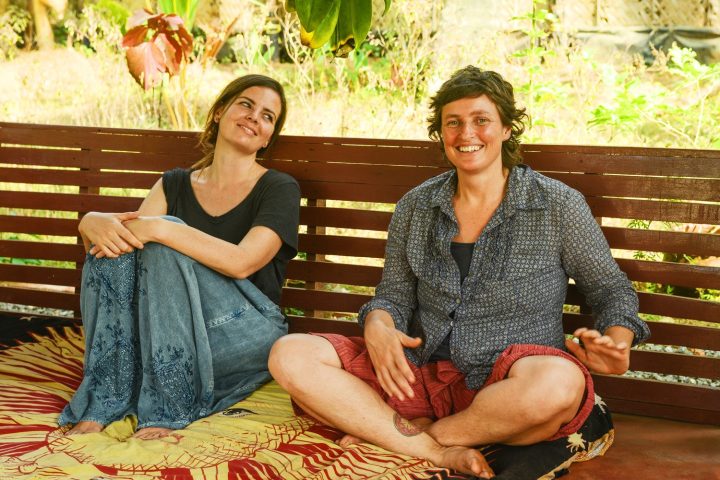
[(289, 360), (558, 389)]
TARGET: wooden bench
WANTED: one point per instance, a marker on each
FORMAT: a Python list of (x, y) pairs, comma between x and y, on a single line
[(52, 175)]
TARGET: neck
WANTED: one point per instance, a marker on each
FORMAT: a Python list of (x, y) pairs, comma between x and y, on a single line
[(488, 187), (230, 167)]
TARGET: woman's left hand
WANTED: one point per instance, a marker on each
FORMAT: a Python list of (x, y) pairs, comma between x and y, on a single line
[(600, 353)]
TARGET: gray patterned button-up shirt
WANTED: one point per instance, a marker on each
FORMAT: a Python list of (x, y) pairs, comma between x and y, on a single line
[(542, 233)]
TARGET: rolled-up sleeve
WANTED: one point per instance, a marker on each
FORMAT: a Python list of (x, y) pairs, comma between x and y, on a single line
[(587, 259), (396, 293)]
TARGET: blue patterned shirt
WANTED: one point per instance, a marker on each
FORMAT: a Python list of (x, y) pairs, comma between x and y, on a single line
[(542, 233)]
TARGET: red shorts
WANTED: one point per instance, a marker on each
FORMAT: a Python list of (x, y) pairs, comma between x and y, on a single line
[(440, 388)]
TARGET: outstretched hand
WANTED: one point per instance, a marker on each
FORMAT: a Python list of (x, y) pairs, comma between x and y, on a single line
[(600, 353), (106, 232), (385, 346)]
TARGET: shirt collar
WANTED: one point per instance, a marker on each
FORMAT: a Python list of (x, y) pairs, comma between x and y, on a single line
[(523, 192)]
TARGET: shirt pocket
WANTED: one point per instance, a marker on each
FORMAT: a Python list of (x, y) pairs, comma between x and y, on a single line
[(541, 292), (492, 299)]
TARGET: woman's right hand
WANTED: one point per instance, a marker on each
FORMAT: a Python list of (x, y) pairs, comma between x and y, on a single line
[(107, 234), (385, 345)]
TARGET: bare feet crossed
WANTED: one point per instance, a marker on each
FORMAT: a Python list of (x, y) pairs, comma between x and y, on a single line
[(85, 427), (152, 433)]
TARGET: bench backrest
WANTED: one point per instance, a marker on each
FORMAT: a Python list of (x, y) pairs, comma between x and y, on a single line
[(51, 175)]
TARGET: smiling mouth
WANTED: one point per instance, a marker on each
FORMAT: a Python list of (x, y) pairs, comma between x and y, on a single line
[(248, 130), (469, 148)]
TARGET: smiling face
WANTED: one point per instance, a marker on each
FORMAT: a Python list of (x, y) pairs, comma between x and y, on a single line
[(473, 134), (248, 122)]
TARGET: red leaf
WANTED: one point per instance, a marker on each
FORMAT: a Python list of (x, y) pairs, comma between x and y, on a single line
[(174, 22), (140, 17), (135, 36), (173, 57), (146, 63)]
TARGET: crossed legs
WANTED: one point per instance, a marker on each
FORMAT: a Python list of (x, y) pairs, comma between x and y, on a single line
[(539, 395)]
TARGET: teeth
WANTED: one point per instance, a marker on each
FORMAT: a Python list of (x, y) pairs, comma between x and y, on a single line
[(247, 130), (469, 148)]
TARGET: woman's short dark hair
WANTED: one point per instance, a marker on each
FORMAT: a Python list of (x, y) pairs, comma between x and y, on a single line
[(473, 82), (208, 137)]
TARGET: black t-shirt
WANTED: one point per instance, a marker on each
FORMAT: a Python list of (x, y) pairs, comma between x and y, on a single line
[(462, 253), (274, 202)]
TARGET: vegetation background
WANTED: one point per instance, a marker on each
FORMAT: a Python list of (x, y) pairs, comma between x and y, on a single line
[(575, 92)]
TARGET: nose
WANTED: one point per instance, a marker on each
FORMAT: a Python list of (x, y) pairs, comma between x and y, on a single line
[(253, 115), (467, 130)]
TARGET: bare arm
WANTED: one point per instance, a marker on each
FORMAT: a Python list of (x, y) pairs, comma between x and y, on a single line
[(253, 252), (105, 235)]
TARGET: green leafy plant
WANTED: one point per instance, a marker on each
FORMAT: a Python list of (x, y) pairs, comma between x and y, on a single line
[(343, 24), (13, 22)]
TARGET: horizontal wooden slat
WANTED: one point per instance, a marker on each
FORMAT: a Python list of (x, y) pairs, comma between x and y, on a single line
[(78, 177), (345, 218), (327, 272), (311, 324), (675, 364), (704, 189), (671, 412), (40, 275), (623, 160), (355, 174), (39, 298), (679, 274), (657, 241), (69, 202), (94, 159), (669, 211), (339, 245), (352, 193), (359, 151), (660, 393), (661, 333), (98, 138), (42, 250), (39, 225), (661, 304), (321, 300)]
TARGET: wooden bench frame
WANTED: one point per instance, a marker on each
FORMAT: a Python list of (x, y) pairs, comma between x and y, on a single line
[(658, 185)]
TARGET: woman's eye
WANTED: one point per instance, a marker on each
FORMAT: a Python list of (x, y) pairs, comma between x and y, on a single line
[(452, 123), (245, 103), (269, 118), (481, 121)]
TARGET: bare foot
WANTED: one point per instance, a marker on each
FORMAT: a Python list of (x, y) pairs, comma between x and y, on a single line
[(85, 427), (152, 433), (465, 460), (347, 439)]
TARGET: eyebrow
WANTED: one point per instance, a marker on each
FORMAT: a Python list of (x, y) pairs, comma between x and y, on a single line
[(474, 112), (265, 109)]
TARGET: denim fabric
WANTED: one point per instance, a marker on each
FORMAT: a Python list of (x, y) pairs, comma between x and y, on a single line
[(168, 339)]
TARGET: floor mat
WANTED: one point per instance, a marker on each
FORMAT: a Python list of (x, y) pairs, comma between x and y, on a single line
[(258, 438)]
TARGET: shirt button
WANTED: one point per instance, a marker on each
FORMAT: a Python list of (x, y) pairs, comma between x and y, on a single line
[(457, 301)]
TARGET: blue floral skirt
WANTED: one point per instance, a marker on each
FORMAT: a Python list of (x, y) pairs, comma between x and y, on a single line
[(168, 339)]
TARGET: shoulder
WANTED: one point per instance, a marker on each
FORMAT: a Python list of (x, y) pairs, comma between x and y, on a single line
[(273, 178), (536, 187), (427, 191)]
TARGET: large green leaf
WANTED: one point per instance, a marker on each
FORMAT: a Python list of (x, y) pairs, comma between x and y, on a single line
[(319, 12), (360, 17), (344, 23), (324, 30)]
